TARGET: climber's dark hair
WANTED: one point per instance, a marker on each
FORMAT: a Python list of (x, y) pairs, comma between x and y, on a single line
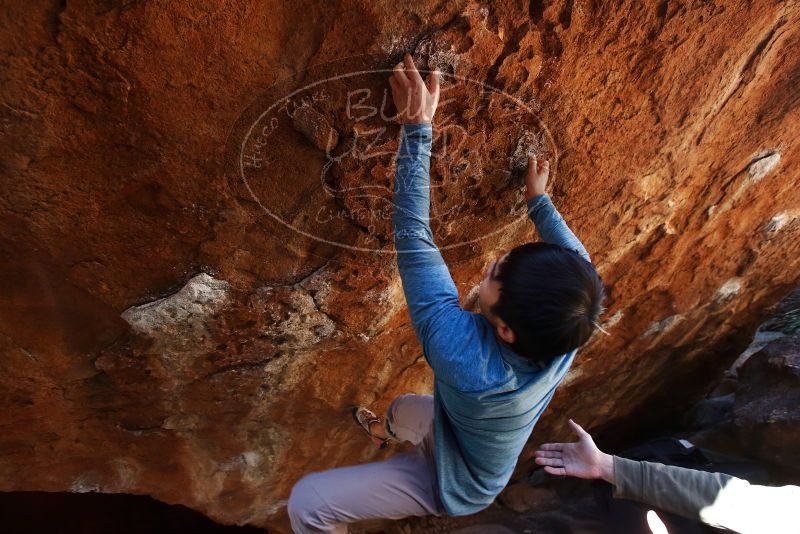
[(550, 297)]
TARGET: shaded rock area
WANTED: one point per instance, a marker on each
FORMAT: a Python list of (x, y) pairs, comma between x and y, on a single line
[(755, 410), (192, 294), (32, 512), (769, 425)]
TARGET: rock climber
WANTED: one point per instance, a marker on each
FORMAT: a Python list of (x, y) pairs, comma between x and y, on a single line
[(494, 371), (715, 499)]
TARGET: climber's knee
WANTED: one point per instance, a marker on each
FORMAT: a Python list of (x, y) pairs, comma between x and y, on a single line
[(304, 507), (409, 417)]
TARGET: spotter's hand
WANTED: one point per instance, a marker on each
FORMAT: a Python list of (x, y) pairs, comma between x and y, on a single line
[(580, 459), (415, 100)]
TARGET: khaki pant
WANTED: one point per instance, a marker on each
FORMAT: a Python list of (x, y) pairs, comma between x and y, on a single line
[(402, 486)]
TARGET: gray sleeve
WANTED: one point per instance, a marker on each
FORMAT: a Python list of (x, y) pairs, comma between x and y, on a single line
[(714, 498)]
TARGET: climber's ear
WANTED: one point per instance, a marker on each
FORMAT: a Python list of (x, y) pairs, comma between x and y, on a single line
[(505, 333)]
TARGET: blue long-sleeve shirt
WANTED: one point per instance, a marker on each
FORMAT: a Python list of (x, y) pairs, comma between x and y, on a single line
[(486, 397)]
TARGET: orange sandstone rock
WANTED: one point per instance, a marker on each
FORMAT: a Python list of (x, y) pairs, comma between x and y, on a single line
[(149, 153)]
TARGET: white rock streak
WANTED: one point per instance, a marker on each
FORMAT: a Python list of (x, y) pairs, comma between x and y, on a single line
[(202, 296)]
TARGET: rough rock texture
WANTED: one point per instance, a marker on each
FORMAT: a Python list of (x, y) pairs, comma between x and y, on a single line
[(767, 410), (674, 127), (755, 410)]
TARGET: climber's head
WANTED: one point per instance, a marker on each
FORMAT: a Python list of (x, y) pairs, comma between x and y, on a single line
[(543, 300)]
